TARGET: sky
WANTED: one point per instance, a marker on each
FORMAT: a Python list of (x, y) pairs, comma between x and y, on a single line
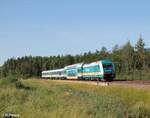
[(52, 27)]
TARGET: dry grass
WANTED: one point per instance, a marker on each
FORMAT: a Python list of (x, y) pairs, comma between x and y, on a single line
[(44, 98)]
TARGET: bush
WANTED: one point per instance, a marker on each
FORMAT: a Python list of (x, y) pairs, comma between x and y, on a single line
[(10, 80), (13, 81)]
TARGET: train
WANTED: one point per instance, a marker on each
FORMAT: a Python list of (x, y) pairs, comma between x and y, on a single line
[(103, 70)]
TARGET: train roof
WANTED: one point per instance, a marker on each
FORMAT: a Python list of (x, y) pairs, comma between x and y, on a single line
[(91, 64), (74, 65), (56, 70), (105, 61)]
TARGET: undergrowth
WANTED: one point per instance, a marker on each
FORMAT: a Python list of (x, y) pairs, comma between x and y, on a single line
[(44, 99)]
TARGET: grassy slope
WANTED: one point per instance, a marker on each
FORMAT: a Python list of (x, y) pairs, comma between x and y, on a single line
[(43, 99)]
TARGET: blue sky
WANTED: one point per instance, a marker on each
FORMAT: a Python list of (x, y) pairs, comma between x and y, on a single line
[(52, 27)]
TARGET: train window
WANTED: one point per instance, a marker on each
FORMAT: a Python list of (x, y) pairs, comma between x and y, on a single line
[(72, 72), (107, 65), (91, 69)]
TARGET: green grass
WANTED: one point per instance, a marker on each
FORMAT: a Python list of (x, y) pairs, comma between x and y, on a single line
[(49, 99)]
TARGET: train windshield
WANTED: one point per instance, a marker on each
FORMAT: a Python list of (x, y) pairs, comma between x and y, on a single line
[(107, 66)]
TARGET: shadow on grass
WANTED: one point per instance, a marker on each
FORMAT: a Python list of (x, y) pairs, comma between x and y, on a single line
[(19, 85), (14, 81)]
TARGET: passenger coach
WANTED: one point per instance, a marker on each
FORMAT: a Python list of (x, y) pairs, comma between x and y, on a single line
[(54, 74)]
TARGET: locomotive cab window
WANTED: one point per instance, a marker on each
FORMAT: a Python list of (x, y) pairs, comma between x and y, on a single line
[(107, 65)]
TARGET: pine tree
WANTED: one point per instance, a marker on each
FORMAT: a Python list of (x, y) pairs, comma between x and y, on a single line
[(140, 52), (127, 56), (104, 53)]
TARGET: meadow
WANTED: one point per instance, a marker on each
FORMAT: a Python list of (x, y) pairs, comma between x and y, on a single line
[(34, 98)]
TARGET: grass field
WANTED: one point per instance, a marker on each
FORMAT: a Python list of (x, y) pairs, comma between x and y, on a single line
[(47, 99)]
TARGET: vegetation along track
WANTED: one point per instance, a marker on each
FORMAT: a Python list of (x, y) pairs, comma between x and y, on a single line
[(144, 84)]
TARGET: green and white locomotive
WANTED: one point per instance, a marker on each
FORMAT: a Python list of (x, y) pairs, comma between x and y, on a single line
[(102, 70)]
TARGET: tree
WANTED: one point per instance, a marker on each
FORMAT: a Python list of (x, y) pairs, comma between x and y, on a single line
[(140, 45), (140, 52), (127, 56), (104, 53)]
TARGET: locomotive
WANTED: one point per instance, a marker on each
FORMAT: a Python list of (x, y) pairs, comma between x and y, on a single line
[(101, 70)]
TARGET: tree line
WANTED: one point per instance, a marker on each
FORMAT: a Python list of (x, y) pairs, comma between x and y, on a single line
[(131, 62)]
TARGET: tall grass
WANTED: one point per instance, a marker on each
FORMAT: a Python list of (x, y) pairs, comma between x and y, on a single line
[(48, 99)]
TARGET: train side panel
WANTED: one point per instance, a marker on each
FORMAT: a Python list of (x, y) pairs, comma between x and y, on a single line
[(72, 71), (92, 71)]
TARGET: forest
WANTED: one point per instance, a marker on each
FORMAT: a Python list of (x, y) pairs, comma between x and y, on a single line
[(131, 62)]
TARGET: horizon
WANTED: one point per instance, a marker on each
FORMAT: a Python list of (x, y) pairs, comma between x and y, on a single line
[(70, 27), (82, 53)]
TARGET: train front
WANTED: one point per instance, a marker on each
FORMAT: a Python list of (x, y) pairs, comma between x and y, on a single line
[(108, 70)]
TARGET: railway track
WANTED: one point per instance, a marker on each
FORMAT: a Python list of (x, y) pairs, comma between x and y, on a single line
[(145, 84)]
